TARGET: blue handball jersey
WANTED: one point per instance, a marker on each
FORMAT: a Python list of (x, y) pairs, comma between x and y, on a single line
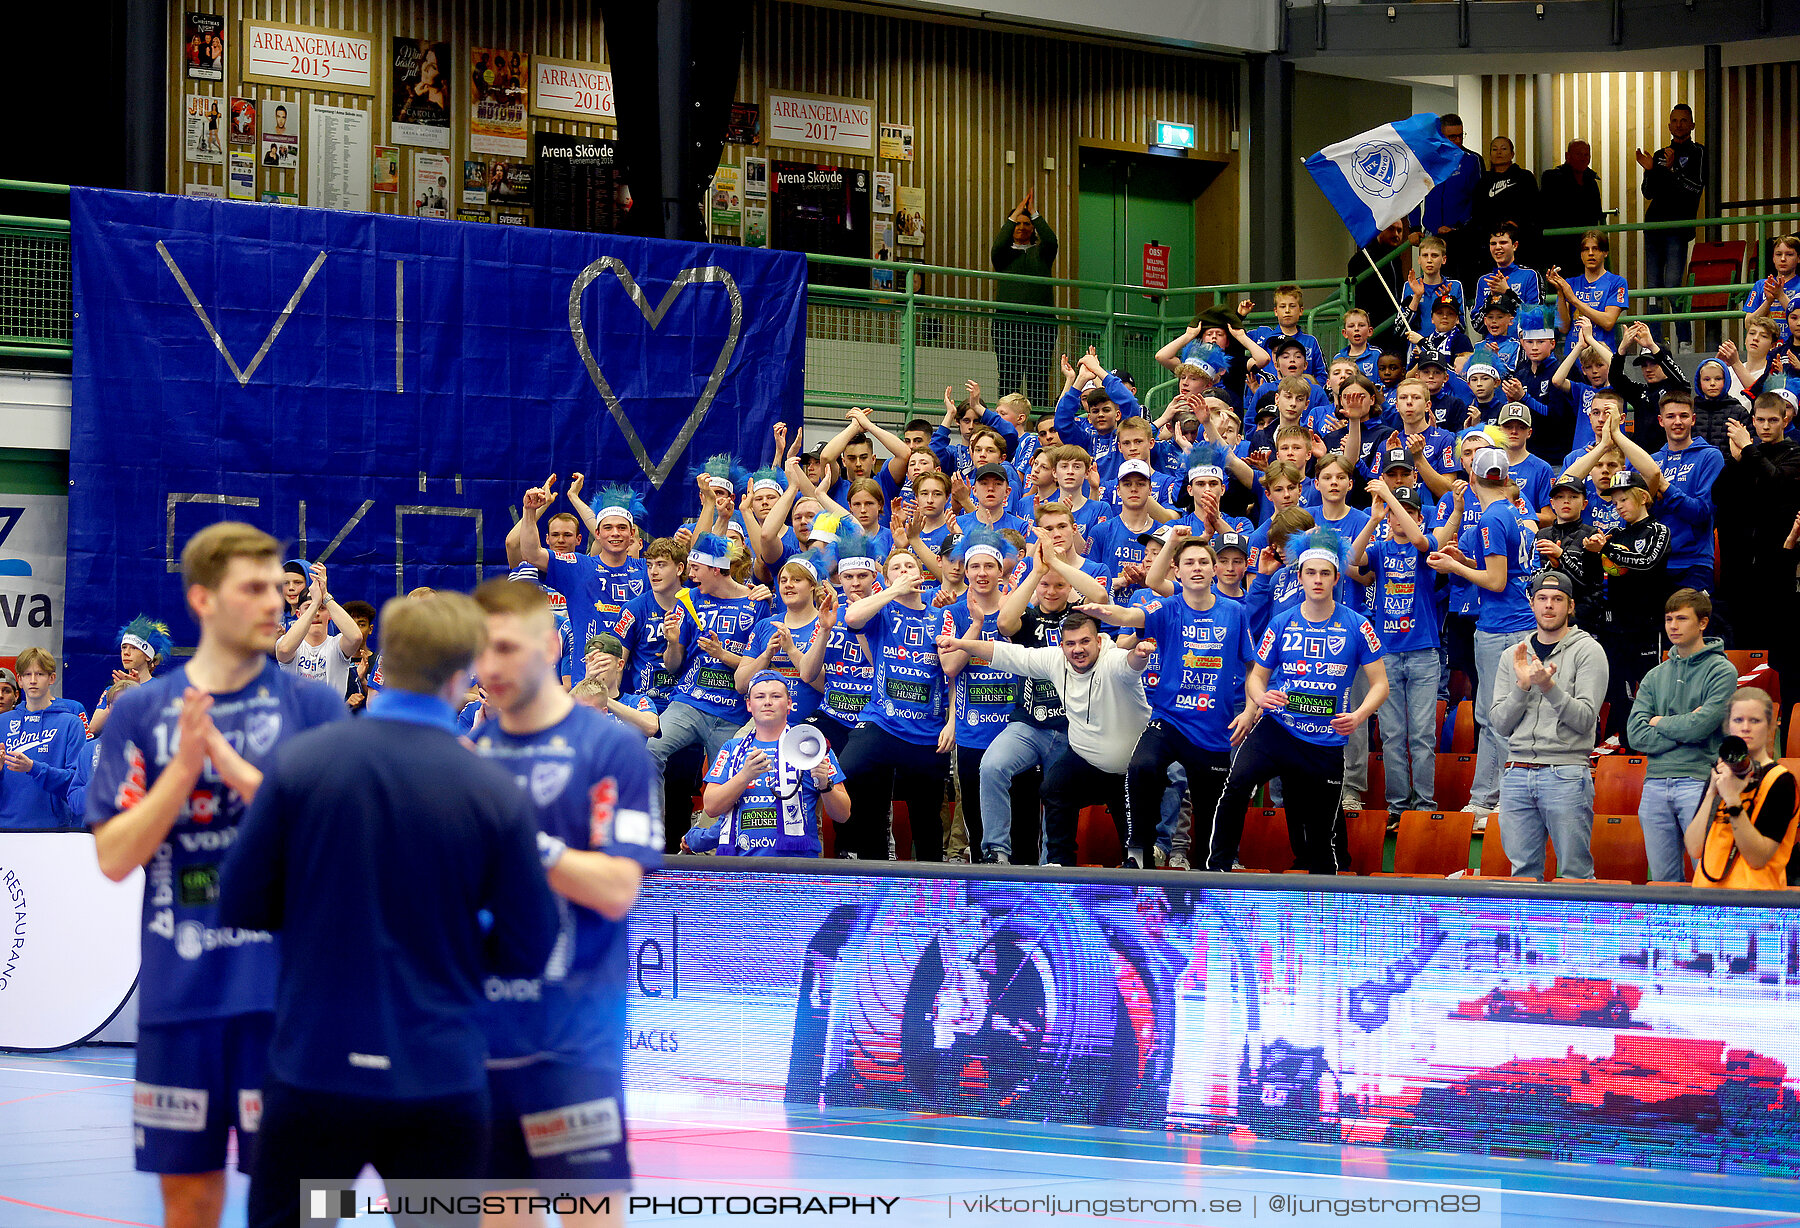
[(591, 782), (193, 968), (1503, 530), (1198, 686), (1314, 665), (707, 682), (849, 674), (1404, 596), (803, 696), (985, 696), (640, 629), (754, 827), (597, 594), (909, 694)]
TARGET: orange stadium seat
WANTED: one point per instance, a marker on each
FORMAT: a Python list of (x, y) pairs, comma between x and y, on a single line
[(1433, 843), (1265, 845), (1368, 839), (1618, 783), (1096, 839), (1455, 773), (1462, 739), (1618, 849)]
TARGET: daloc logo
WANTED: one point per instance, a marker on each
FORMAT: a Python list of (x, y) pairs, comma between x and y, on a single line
[(1379, 168)]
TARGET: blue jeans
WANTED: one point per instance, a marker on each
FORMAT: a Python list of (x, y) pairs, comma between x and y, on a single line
[(1017, 748), (1172, 835), (683, 725), (1491, 648), (1356, 746), (1548, 802), (1664, 810), (1665, 266), (1409, 728)]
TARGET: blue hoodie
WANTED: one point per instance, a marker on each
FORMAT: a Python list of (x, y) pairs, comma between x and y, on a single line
[(55, 740), (1687, 505)]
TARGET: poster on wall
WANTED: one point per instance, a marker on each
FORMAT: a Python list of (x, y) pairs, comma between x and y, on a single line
[(744, 125), (474, 189), (309, 57), (421, 95), (884, 192), (509, 182), (203, 46), (580, 184), (279, 198), (756, 226), (822, 209), (498, 85), (34, 538), (243, 122), (205, 191), (204, 131), (505, 218), (897, 142), (387, 170), (337, 166), (727, 205), (569, 89), (812, 121), (472, 215), (883, 240), (241, 176), (280, 135), (431, 185), (909, 219), (756, 178)]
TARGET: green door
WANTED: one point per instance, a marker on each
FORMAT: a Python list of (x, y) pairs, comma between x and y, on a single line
[(1128, 200)]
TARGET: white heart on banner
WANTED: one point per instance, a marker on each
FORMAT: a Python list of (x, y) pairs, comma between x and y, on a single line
[(654, 316)]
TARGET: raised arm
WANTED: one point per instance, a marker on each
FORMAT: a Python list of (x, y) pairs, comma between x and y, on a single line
[(523, 545), (288, 646)]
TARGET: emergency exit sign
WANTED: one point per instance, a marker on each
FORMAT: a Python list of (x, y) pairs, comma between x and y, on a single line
[(1176, 136)]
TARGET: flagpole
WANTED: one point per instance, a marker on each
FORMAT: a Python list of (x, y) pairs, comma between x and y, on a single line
[(1398, 309)]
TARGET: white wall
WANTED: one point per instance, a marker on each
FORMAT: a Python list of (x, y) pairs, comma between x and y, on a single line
[(1229, 25), (34, 410)]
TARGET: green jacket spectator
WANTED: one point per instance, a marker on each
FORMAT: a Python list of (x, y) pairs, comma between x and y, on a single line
[(1691, 695)]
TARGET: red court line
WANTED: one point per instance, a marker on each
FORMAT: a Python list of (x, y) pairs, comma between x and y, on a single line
[(104, 1219), (67, 1091)]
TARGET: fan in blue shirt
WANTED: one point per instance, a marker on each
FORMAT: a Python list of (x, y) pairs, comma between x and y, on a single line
[(43, 752), (761, 804)]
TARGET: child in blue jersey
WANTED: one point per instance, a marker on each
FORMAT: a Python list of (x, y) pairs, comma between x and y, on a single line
[(44, 746), (1119, 545), (642, 625), (1498, 333), (847, 674), (1108, 402), (1357, 329), (1273, 586), (1594, 295), (1196, 691), (143, 645), (900, 750), (1306, 663), (556, 1043), (1404, 612), (1206, 493), (1533, 475), (1440, 331), (180, 759), (1075, 470), (706, 637), (1426, 286), (1289, 302), (1596, 366), (791, 644), (761, 805), (982, 697), (1507, 273), (1498, 557), (993, 491)]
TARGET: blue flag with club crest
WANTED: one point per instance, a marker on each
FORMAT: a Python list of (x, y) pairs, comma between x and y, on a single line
[(1378, 177)]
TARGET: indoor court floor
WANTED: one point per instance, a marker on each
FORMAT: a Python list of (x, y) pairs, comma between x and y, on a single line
[(65, 1159)]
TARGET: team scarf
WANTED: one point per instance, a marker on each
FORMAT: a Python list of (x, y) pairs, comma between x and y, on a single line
[(789, 780)]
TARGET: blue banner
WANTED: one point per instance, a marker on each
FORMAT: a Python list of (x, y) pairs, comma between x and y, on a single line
[(380, 391)]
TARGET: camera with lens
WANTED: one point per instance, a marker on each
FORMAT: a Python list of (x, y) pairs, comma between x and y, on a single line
[(1734, 753)]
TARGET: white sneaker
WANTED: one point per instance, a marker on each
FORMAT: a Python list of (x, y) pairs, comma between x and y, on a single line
[(1350, 800), (1162, 858), (1179, 861)]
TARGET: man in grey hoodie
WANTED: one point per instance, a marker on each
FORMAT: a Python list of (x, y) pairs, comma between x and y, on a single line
[(1547, 715), (1677, 721)]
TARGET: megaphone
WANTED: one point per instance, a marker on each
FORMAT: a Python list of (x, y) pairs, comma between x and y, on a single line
[(803, 747)]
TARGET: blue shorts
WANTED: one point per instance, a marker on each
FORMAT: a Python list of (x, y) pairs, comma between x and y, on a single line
[(195, 1082), (555, 1122)]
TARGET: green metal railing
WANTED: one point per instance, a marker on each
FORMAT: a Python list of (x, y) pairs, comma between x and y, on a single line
[(36, 315)]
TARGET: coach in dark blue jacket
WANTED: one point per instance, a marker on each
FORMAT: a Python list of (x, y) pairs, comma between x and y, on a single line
[(373, 849)]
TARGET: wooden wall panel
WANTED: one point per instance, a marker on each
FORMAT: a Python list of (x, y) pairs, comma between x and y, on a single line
[(970, 94), (1756, 140)]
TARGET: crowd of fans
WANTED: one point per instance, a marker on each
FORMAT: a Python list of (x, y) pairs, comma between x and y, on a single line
[(1017, 611)]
